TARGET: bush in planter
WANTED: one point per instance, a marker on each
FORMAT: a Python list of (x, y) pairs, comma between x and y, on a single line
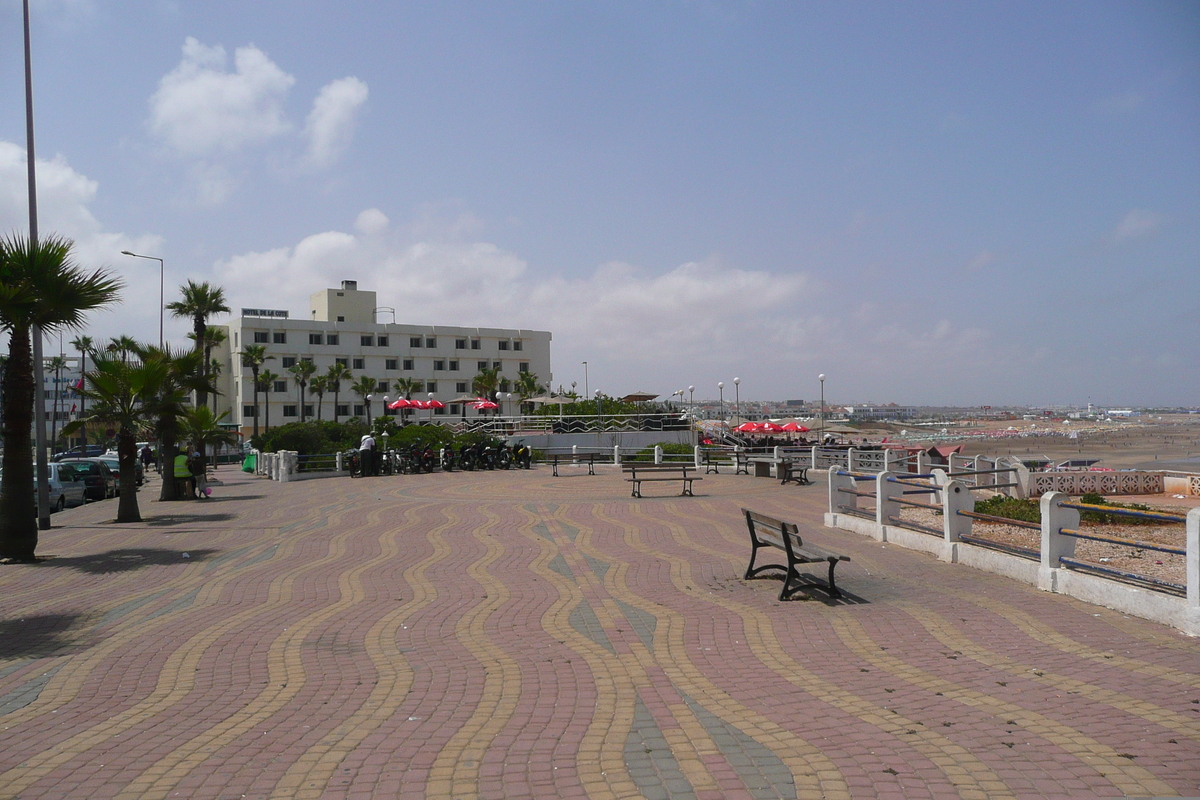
[(672, 448)]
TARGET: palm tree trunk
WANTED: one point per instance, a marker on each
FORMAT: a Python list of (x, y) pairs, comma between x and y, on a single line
[(82, 399), (267, 421), (127, 505), (18, 507), (199, 325), (254, 373), (319, 398), (337, 390), (303, 416)]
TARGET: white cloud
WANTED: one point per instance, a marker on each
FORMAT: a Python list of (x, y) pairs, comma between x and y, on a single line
[(64, 197), (330, 124), (1134, 225), (200, 108), (371, 222)]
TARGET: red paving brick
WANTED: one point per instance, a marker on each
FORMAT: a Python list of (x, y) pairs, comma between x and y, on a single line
[(513, 634)]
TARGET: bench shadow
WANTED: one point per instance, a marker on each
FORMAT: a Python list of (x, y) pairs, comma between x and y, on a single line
[(124, 560), (166, 520), (233, 498), (817, 590), (37, 635)]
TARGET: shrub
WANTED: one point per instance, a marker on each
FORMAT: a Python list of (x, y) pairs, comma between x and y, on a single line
[(1102, 518), (674, 448), (1010, 508)]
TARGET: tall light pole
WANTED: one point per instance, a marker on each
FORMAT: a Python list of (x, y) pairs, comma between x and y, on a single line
[(41, 464), (162, 277), (737, 401), (721, 389), (585, 380), (821, 378), (692, 411), (599, 407)]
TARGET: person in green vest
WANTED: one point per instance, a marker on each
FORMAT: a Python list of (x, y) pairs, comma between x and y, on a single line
[(183, 474)]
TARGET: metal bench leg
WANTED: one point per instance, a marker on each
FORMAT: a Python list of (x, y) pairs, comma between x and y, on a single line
[(833, 590)]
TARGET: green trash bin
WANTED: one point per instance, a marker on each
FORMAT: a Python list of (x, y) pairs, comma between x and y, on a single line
[(250, 462)]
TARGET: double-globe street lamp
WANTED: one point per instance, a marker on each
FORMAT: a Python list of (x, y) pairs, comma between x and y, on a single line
[(721, 389), (821, 378), (161, 282)]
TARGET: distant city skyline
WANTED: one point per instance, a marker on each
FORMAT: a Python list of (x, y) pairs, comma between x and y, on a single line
[(942, 204)]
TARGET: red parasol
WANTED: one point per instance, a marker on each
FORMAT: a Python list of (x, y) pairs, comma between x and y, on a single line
[(795, 427), (435, 404), (770, 427), (400, 403), (483, 404), (747, 427)]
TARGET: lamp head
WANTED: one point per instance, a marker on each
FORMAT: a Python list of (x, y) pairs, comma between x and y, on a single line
[(736, 381), (821, 377), (720, 384), (691, 388), (127, 253)]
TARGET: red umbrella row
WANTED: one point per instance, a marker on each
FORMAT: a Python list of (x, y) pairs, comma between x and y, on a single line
[(403, 403), (771, 427)]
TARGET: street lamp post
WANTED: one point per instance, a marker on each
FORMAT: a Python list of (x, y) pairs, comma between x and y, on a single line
[(821, 378), (369, 398), (692, 411), (721, 389), (599, 406), (161, 285), (737, 401), (585, 380)]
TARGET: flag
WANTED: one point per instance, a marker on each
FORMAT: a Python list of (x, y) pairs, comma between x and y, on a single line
[(73, 407), (78, 384)]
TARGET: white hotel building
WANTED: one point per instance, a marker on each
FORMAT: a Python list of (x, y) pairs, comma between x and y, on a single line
[(342, 326)]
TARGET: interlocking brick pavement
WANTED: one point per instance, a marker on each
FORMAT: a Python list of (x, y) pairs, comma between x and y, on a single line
[(512, 634)]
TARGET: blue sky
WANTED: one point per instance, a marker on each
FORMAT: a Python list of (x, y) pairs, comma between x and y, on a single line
[(945, 203)]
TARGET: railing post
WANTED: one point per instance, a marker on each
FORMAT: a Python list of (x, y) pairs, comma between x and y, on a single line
[(1054, 544), (956, 496), (575, 454), (922, 463), (1192, 614), (337, 460), (777, 452), (1021, 477), (617, 454), (850, 460), (697, 457), (814, 457), (657, 454), (839, 499), (887, 510)]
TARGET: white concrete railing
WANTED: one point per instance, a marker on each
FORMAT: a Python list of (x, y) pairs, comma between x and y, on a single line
[(954, 543)]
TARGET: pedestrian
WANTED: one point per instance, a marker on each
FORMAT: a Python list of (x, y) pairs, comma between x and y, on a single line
[(147, 457), (366, 454), (200, 476), (184, 482)]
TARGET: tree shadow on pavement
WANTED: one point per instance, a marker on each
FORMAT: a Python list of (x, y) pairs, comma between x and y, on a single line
[(231, 498), (36, 635), (183, 519), (126, 559)]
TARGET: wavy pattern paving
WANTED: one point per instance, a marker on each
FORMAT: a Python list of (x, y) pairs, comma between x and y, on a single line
[(507, 635)]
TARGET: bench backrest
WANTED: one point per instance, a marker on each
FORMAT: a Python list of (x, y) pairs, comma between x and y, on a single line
[(649, 467), (773, 531)]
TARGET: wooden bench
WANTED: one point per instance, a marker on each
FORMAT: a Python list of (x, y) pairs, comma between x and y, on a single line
[(792, 472), (654, 473), (574, 460), (768, 532), (741, 462)]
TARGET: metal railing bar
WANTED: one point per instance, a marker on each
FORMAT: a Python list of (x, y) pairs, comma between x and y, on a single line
[(916, 504), (1126, 512), (1017, 550), (1074, 534), (1157, 583), (1020, 523)]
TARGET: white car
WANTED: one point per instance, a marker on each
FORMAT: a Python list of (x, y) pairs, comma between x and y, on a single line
[(66, 488)]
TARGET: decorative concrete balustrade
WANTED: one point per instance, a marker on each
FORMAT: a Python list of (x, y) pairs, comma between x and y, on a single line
[(871, 505)]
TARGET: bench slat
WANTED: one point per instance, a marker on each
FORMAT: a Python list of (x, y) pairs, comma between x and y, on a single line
[(770, 532)]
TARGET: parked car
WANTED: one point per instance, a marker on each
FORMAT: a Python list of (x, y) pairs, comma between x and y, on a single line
[(81, 451), (66, 489), (114, 465), (100, 482)]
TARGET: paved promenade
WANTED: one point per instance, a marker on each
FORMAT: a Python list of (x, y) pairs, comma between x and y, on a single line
[(512, 634)]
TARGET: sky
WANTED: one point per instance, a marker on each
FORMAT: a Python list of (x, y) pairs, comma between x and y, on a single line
[(932, 204)]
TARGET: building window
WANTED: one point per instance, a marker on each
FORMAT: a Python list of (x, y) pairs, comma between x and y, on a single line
[(279, 387), (381, 386), (342, 362), (441, 410), (341, 318), (248, 411), (475, 344), (430, 342), (497, 365), (288, 362), (431, 386), (289, 411), (306, 359), (454, 408), (358, 363), (418, 387), (279, 337), (460, 344), (359, 410), (439, 366), (391, 363), (503, 344), (454, 366), (408, 364), (261, 337), (316, 338), (461, 387), (343, 411), (381, 341), (331, 338), (517, 346), (366, 341), (524, 367), (415, 341), (481, 365), (308, 410)]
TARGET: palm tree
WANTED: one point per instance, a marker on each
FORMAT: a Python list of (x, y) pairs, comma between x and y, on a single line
[(488, 384), (266, 385), (302, 370), (40, 288), (364, 387), (212, 337), (201, 428), (527, 386), (124, 346), (254, 356), (84, 345), (200, 301), (318, 386), (123, 394), (170, 404), (58, 363), (406, 386), (337, 373)]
